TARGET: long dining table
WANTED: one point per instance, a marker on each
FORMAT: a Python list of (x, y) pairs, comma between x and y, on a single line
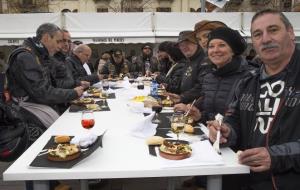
[(121, 156)]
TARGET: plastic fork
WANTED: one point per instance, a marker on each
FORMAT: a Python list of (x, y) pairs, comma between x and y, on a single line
[(216, 144)]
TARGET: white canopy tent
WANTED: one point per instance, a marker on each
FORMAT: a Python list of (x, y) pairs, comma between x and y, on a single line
[(123, 28)]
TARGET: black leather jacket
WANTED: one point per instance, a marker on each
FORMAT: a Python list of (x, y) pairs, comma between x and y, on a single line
[(27, 76), (283, 143), (78, 72)]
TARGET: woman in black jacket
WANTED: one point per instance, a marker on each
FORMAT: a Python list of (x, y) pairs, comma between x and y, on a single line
[(171, 79), (225, 47)]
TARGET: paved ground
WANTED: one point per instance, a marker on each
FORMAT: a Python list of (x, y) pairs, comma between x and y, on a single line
[(112, 184)]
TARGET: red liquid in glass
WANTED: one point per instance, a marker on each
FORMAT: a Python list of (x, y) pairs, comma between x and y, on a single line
[(88, 123)]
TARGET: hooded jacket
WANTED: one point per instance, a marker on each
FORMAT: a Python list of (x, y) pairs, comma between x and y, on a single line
[(28, 76), (283, 142)]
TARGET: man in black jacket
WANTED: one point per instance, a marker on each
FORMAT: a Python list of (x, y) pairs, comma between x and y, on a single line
[(29, 79), (263, 118), (80, 56)]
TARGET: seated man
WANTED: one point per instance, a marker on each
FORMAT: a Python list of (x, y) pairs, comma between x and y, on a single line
[(263, 119), (29, 80), (80, 56)]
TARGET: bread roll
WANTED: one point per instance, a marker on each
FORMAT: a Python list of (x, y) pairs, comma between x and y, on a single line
[(188, 128), (155, 140), (62, 139)]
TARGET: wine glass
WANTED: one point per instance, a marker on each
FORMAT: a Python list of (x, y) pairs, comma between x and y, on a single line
[(157, 109), (177, 123), (87, 119), (131, 80), (105, 85)]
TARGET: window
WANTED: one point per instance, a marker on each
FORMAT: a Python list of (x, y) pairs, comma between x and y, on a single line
[(163, 9)]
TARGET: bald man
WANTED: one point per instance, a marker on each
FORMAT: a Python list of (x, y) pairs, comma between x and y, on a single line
[(75, 62)]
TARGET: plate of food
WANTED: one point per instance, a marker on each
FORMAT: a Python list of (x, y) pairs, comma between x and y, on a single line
[(175, 150), (60, 153), (83, 101)]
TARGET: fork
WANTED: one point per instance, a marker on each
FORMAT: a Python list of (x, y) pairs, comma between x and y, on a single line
[(216, 144)]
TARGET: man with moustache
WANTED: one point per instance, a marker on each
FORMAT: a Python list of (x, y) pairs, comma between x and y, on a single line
[(262, 120)]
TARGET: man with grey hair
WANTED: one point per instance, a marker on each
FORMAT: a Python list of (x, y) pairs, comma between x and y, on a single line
[(29, 80), (81, 55), (263, 119)]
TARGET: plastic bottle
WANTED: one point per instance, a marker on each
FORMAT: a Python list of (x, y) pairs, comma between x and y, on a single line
[(153, 88)]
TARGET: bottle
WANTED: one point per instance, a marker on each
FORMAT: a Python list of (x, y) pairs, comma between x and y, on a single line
[(153, 88), (147, 65)]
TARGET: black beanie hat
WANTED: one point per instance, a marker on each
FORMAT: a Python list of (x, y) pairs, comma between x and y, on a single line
[(163, 46), (231, 37)]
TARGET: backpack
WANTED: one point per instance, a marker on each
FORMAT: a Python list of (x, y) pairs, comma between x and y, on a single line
[(13, 132)]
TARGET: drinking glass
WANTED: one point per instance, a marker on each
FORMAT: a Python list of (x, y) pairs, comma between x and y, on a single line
[(177, 124), (105, 85), (87, 119), (157, 109)]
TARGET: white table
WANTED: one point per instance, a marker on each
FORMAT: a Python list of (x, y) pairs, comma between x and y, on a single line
[(114, 160)]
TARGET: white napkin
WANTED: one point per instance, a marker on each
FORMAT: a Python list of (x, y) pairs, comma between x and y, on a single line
[(138, 107), (126, 84), (184, 136), (98, 85), (84, 140), (203, 154), (143, 128)]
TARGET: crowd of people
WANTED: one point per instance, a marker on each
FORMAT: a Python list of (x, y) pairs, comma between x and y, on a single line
[(258, 95)]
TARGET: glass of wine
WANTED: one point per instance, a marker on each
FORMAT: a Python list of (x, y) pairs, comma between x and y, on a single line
[(177, 123), (105, 85), (157, 109), (131, 80), (87, 119)]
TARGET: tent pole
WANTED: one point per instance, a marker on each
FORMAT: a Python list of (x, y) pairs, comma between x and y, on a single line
[(202, 5)]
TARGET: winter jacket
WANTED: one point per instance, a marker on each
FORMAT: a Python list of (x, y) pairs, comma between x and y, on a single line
[(197, 66), (115, 69), (218, 86), (173, 78), (29, 78), (283, 143), (138, 67), (78, 72)]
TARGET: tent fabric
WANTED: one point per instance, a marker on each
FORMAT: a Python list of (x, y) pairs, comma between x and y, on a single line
[(122, 27)]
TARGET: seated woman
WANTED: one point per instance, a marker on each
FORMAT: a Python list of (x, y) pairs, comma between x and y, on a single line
[(225, 47), (171, 80)]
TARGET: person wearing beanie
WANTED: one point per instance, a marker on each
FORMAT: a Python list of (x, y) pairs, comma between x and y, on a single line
[(203, 28), (146, 64), (171, 79), (225, 47)]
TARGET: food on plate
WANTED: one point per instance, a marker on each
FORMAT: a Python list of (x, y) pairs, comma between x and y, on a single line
[(63, 152), (62, 139), (93, 90), (83, 101), (93, 107), (174, 150), (167, 102), (189, 120), (161, 91), (188, 128), (139, 98), (155, 140)]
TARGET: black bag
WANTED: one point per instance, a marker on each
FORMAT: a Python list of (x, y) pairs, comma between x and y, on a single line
[(13, 132)]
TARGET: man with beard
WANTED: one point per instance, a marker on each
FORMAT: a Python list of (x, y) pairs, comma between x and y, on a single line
[(263, 119), (146, 64)]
